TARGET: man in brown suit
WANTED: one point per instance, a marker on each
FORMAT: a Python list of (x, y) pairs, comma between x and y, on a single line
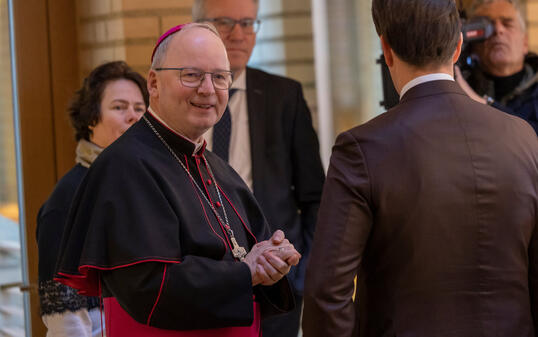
[(432, 205)]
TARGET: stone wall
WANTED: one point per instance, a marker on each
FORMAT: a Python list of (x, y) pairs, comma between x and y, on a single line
[(125, 29)]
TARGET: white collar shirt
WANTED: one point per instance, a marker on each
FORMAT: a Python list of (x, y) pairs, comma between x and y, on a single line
[(423, 79)]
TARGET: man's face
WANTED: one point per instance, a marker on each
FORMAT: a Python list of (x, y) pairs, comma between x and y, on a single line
[(190, 111), (503, 53), (238, 44)]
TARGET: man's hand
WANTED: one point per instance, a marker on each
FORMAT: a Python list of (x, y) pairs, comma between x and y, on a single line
[(466, 87), (284, 249), (271, 259)]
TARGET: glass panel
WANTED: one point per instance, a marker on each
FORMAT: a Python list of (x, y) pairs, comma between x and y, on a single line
[(11, 298)]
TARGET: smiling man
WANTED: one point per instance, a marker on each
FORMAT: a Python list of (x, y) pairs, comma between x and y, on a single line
[(507, 76), (167, 232), (266, 135)]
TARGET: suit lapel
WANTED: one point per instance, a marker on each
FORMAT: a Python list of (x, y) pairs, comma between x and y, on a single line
[(256, 121)]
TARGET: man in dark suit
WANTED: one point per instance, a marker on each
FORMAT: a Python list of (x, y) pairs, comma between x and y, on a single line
[(432, 205), (266, 135)]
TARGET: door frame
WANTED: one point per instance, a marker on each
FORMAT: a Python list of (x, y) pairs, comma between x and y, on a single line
[(46, 55)]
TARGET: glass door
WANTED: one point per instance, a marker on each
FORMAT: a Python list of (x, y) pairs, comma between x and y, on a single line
[(13, 271)]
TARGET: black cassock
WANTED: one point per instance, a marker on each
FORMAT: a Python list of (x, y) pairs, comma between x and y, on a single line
[(140, 231)]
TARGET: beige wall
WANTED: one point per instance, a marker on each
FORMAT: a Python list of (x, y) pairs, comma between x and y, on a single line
[(355, 76), (284, 44), (532, 20), (125, 29)]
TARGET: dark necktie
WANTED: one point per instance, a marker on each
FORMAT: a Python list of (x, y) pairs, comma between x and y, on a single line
[(222, 131)]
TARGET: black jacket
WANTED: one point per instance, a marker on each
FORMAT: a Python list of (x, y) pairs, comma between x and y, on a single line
[(141, 225), (522, 101), (286, 167)]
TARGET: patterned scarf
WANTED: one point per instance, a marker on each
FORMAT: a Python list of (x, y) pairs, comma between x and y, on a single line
[(87, 152)]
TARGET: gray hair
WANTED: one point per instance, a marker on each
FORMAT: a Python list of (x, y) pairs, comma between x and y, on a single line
[(198, 9), (160, 53), (517, 5)]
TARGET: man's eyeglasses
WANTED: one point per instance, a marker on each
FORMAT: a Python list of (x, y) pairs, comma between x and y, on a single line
[(193, 77), (226, 25)]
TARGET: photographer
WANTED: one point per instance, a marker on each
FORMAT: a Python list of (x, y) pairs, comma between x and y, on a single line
[(506, 76)]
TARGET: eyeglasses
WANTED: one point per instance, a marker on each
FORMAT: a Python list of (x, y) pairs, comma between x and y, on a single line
[(193, 77), (226, 25)]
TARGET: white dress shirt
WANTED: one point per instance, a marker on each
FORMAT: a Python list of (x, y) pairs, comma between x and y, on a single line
[(426, 78)]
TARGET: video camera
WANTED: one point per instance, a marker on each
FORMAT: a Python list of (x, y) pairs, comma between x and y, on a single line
[(475, 30)]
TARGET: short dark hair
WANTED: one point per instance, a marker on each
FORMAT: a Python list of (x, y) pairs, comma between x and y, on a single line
[(85, 108), (421, 32)]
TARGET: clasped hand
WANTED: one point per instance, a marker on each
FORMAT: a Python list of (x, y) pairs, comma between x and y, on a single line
[(271, 259)]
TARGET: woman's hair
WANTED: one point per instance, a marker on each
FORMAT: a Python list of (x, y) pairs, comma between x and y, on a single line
[(85, 108)]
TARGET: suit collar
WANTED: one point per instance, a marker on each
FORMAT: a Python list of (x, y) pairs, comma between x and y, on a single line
[(240, 82), (423, 79), (432, 88)]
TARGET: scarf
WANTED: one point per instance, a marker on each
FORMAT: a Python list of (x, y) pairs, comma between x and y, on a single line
[(87, 152)]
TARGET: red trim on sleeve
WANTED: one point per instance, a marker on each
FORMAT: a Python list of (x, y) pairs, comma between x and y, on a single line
[(87, 282), (158, 295)]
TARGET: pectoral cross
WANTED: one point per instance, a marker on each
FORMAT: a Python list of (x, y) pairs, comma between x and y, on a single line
[(238, 251)]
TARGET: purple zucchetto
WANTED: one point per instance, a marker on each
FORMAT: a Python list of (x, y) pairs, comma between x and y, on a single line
[(165, 35)]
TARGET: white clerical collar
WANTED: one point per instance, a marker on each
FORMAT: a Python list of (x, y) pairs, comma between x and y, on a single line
[(425, 78), (197, 146), (241, 81)]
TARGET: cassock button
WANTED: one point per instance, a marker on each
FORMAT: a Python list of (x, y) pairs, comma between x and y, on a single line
[(209, 181), (218, 204), (197, 161)]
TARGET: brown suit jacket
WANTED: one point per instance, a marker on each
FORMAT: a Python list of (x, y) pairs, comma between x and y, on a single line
[(433, 205)]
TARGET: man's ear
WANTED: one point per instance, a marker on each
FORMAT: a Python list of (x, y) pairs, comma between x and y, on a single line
[(387, 51), (457, 52), (153, 84)]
